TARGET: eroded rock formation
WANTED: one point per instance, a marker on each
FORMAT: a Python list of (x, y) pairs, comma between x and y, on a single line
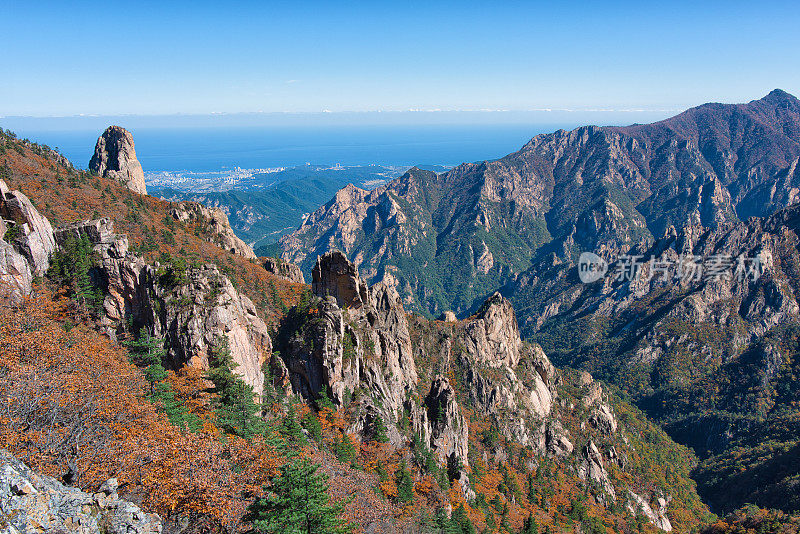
[(284, 269), (115, 157), (214, 223), (191, 307), (26, 243)]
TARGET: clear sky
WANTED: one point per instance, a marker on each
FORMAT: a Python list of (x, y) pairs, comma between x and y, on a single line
[(139, 57)]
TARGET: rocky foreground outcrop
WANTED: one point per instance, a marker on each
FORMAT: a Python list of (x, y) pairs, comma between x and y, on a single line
[(32, 503), (26, 243), (115, 157), (215, 225)]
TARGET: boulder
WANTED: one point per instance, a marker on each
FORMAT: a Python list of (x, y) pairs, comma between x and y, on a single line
[(115, 157), (32, 503)]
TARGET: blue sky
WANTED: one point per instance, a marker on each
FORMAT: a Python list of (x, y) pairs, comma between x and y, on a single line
[(67, 58)]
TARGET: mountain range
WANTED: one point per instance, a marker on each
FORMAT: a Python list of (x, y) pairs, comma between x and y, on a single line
[(710, 359)]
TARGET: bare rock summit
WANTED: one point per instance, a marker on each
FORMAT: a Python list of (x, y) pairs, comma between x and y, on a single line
[(115, 157)]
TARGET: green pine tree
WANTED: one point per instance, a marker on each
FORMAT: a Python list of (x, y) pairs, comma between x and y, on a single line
[(70, 266), (461, 522), (291, 431), (148, 352), (530, 526), (298, 503), (379, 430), (405, 485), (234, 404)]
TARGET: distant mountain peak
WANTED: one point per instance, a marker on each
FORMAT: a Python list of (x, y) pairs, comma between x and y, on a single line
[(779, 96)]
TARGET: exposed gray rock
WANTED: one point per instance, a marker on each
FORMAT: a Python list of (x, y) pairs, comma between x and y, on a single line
[(190, 309), (449, 431), (35, 239), (216, 224), (448, 317), (658, 516), (284, 269), (115, 157), (592, 469), (15, 274), (32, 503)]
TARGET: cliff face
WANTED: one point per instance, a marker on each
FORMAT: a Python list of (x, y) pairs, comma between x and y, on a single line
[(32, 503), (709, 357), (115, 157), (189, 306), (287, 271), (30, 243)]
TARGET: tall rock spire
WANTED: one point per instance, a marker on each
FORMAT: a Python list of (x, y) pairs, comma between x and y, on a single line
[(115, 157)]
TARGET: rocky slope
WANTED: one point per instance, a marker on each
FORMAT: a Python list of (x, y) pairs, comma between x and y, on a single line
[(189, 306), (115, 157), (357, 346), (215, 225), (31, 503), (478, 226), (709, 354)]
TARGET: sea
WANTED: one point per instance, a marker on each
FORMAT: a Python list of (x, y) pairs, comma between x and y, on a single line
[(213, 149), (203, 144)]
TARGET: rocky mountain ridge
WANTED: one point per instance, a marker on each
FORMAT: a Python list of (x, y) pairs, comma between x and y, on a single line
[(593, 188), (358, 347)]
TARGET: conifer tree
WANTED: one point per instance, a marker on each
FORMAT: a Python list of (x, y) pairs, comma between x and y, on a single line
[(530, 526), (297, 503), (379, 430), (237, 412), (71, 265), (405, 485), (460, 521), (148, 352), (290, 429)]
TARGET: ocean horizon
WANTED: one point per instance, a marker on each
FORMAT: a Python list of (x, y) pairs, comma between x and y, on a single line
[(215, 149)]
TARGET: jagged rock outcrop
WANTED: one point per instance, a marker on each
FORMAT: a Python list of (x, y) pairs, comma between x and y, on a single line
[(448, 317), (360, 341), (214, 223), (284, 269), (26, 243), (115, 157), (334, 275), (449, 432), (191, 307), (592, 469), (32, 503), (35, 237)]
